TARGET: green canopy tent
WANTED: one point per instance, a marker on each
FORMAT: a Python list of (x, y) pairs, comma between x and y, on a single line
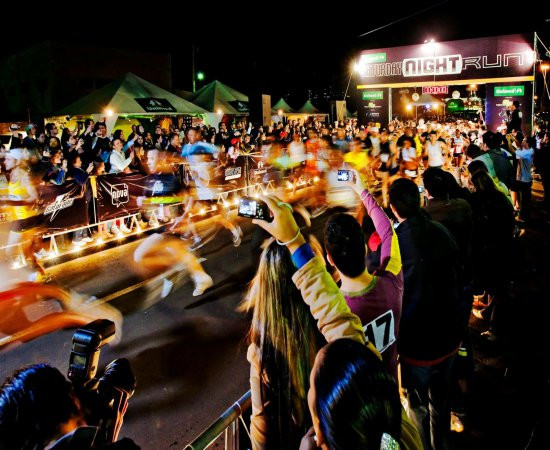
[(217, 97), (283, 106), (129, 96), (308, 108)]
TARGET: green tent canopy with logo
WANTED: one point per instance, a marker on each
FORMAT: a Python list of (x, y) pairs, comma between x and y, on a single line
[(130, 95), (217, 97)]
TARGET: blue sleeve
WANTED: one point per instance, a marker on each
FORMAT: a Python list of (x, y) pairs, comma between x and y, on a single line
[(302, 256)]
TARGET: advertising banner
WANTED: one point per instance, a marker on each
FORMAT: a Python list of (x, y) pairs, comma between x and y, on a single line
[(65, 206), (374, 106), (499, 100), (466, 60), (117, 195)]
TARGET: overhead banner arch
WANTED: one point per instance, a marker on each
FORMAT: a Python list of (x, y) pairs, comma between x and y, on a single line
[(494, 61)]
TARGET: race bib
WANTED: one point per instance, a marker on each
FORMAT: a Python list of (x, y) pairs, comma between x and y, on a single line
[(381, 331)]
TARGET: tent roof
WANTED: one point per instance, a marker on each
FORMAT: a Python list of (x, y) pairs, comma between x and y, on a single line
[(281, 104), (426, 99), (218, 96), (308, 108), (183, 94), (121, 97)]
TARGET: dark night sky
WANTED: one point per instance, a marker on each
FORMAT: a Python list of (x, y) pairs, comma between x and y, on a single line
[(272, 47)]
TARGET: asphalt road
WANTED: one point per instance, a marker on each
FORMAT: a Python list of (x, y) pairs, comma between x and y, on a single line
[(188, 353)]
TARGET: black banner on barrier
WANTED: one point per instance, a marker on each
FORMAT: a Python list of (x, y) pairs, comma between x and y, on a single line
[(65, 206), (117, 195)]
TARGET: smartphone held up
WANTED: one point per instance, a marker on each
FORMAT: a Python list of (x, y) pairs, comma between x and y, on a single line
[(254, 209), (346, 175)]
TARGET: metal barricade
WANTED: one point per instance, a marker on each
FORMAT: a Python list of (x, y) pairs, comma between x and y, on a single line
[(227, 423)]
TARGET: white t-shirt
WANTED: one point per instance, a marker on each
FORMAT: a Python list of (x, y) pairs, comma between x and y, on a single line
[(435, 154), (408, 154), (297, 151), (375, 141)]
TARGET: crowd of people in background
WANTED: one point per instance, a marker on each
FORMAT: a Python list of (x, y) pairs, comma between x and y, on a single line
[(406, 272)]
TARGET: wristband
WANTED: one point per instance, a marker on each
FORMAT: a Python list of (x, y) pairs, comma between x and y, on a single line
[(288, 205), (291, 241), (302, 256)]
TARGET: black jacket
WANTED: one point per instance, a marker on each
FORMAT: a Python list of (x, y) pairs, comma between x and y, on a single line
[(432, 321)]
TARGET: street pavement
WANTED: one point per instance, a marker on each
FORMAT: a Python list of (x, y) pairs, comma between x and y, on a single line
[(188, 353)]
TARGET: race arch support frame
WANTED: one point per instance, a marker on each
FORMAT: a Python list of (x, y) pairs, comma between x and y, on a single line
[(507, 60)]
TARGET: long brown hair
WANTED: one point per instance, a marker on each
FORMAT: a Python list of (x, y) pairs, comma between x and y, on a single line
[(286, 335)]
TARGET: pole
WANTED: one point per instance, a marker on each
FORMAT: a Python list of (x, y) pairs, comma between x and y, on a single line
[(349, 81), (193, 67)]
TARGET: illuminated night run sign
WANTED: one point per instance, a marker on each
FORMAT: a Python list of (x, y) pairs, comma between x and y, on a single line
[(484, 58), (373, 95), (429, 65), (509, 91)]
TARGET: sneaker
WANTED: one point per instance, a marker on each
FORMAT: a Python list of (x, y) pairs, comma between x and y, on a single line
[(167, 286), (205, 283), (489, 335), (125, 229), (456, 424)]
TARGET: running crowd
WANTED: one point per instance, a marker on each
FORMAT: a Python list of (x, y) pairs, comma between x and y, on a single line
[(359, 341)]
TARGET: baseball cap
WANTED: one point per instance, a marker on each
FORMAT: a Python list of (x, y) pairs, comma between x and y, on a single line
[(14, 127), (374, 129)]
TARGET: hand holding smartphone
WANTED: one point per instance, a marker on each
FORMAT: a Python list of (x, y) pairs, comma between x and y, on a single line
[(254, 209)]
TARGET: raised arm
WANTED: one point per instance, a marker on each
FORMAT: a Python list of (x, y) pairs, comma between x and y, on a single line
[(318, 289)]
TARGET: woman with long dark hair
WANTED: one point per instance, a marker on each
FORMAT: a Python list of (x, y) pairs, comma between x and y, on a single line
[(283, 338), (283, 343)]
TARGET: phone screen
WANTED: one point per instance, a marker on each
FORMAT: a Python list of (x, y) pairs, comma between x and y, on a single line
[(247, 208), (343, 175)]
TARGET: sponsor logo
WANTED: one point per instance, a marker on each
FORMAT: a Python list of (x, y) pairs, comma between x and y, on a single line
[(435, 90), (60, 202), (158, 187), (233, 173), (509, 91), (373, 95), (119, 194), (370, 58)]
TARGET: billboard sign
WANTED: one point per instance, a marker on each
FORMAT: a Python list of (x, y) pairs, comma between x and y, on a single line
[(509, 56)]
